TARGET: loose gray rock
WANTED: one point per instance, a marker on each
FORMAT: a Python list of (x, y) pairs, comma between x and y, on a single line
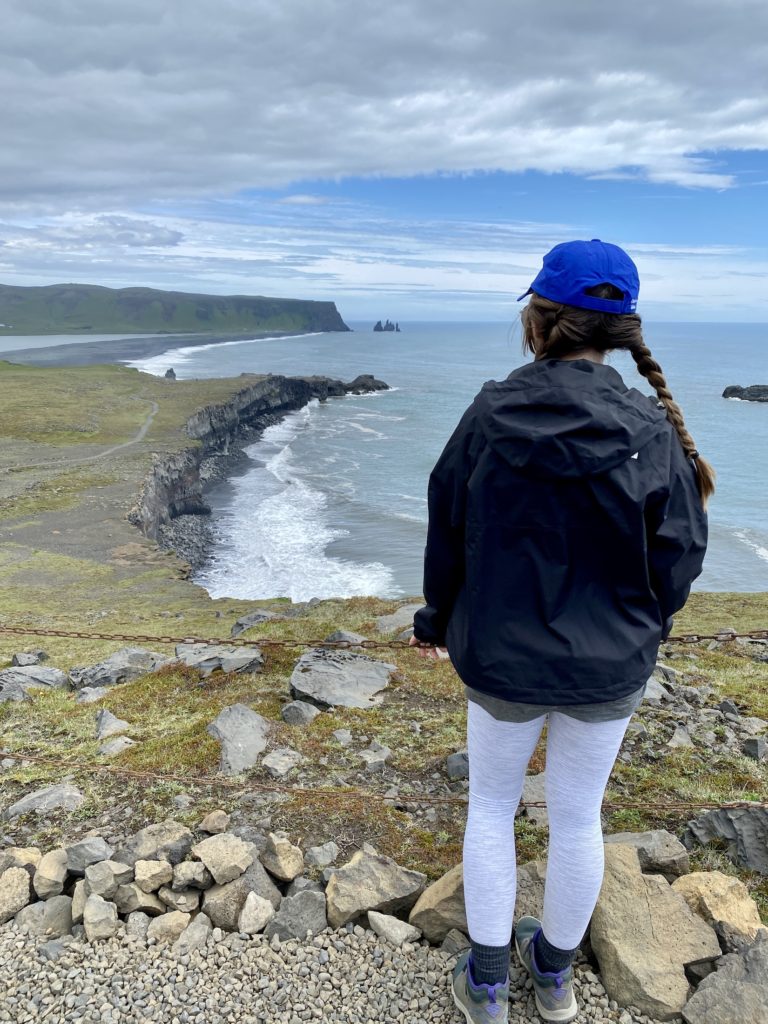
[(297, 915), (281, 858), (32, 677), (80, 894), (245, 622), (215, 823), (243, 734), (371, 882), (534, 788), (191, 874), (90, 694), (168, 927), (440, 908), (137, 924), (12, 691), (209, 658), (108, 724), (375, 757), (29, 919), (756, 747), (329, 678), (130, 897), (51, 874), (737, 993), (745, 830), (255, 915), (99, 918), (223, 903), (344, 636), (457, 765), (166, 840), (194, 936), (400, 619), (104, 877), (659, 852), (188, 900), (280, 761), (455, 942), (116, 746), (62, 796), (680, 738), (123, 666), (343, 737), (15, 892), (656, 692), (226, 856), (149, 875), (321, 856), (57, 917), (392, 929), (88, 851), (302, 884), (26, 658), (299, 712)]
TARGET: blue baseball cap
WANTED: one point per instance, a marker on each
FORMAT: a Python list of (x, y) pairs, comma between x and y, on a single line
[(572, 267)]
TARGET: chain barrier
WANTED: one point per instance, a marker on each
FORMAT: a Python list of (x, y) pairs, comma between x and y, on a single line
[(77, 634), (327, 791)]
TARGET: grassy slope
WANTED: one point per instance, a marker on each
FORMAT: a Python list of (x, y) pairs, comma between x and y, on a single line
[(124, 584), (78, 308)]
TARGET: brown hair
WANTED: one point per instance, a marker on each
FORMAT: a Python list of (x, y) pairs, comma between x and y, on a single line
[(552, 330)]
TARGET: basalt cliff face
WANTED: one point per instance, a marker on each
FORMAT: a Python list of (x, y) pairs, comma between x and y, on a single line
[(171, 507), (752, 393)]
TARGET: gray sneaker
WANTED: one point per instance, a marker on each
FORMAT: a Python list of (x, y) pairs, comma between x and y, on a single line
[(553, 990), (480, 1004)]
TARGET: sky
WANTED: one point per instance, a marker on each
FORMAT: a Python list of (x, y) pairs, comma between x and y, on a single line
[(412, 159)]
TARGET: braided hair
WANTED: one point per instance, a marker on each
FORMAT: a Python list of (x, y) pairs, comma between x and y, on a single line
[(552, 330)]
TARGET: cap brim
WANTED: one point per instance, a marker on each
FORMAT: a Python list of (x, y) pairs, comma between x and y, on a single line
[(524, 295)]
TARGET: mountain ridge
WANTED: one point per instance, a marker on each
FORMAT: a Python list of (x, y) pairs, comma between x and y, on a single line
[(85, 309)]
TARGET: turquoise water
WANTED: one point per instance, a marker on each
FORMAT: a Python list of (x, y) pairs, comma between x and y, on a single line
[(335, 504)]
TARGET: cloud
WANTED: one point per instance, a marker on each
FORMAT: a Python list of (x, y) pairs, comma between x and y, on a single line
[(112, 105), (303, 200)]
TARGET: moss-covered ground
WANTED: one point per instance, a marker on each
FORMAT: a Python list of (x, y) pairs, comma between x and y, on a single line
[(79, 565)]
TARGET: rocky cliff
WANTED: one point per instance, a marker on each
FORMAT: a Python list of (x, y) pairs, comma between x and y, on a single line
[(171, 508), (753, 393)]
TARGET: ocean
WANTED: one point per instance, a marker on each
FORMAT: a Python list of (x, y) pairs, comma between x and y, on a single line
[(335, 504)]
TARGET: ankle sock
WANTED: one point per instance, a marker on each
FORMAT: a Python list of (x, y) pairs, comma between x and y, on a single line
[(489, 964), (549, 958)]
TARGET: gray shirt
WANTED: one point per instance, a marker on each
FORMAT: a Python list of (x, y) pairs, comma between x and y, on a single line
[(509, 711)]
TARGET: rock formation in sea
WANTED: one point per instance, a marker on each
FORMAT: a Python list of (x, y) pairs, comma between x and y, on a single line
[(386, 326), (752, 393)]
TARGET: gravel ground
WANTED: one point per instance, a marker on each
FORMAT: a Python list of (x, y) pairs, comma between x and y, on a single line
[(347, 976)]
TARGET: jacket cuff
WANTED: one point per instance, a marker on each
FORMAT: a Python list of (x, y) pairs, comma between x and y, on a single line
[(424, 627)]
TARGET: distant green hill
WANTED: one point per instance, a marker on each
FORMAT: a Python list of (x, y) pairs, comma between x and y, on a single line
[(85, 309)]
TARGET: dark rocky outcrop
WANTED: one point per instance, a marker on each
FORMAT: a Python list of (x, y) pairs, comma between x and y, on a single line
[(753, 393), (388, 326), (172, 495)]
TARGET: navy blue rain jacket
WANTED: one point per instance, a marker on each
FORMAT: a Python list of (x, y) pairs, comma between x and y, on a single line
[(565, 530)]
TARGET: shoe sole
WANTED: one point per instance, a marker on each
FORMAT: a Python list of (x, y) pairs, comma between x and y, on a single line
[(567, 1013)]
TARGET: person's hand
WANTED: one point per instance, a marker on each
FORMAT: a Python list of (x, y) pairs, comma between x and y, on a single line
[(428, 650)]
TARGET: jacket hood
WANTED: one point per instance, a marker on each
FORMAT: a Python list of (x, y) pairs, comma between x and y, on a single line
[(566, 418)]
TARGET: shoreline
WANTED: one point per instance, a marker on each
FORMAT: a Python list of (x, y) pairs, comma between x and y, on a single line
[(124, 350)]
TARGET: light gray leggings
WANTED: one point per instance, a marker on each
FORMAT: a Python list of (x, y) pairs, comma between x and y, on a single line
[(580, 756)]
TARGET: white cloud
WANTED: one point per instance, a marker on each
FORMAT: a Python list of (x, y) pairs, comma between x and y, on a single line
[(118, 104)]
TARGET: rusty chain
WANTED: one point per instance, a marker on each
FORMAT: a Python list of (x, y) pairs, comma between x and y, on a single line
[(77, 634)]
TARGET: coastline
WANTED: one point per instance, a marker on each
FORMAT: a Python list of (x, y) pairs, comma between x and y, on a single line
[(171, 508), (90, 353)]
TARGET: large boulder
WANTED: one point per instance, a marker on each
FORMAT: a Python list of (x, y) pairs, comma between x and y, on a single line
[(744, 829), (99, 918), (643, 934), (371, 882), (737, 993), (56, 919), (224, 903), (243, 734), (88, 851), (104, 877), (331, 678), (123, 666), (15, 892), (12, 691), (226, 856), (659, 851), (720, 899), (62, 796), (281, 858), (441, 906), (299, 914), (209, 658), (150, 875), (33, 677), (166, 840), (130, 897), (256, 914)]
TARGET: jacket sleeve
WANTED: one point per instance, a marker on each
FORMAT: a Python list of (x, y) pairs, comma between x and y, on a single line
[(677, 536), (444, 552)]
